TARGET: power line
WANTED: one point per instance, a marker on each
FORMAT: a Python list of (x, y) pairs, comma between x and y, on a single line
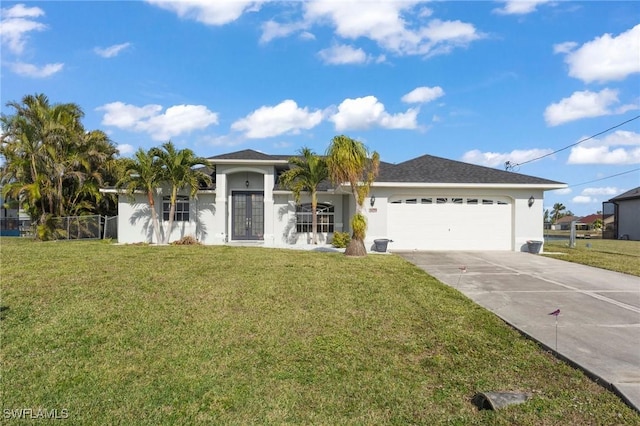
[(604, 178), (510, 166)]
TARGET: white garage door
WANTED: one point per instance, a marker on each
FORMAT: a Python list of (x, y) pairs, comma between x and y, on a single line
[(450, 223)]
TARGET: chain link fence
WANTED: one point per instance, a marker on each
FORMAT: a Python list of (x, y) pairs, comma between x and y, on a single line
[(66, 228)]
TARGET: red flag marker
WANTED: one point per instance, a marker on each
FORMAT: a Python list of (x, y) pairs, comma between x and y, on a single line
[(555, 313)]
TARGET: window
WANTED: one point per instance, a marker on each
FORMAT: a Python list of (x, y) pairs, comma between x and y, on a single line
[(456, 200), (426, 201), (472, 201), (411, 201), (304, 218), (487, 201), (441, 200), (182, 209)]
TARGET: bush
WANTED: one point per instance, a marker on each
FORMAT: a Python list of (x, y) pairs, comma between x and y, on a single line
[(340, 239), (188, 240), (359, 226)]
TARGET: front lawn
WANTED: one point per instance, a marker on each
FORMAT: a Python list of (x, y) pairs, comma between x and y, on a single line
[(615, 255), (231, 335)]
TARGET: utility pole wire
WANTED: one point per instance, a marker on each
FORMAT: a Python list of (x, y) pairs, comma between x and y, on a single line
[(603, 178), (511, 165)]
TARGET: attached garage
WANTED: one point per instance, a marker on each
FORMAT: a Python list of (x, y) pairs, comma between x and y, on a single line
[(427, 222)]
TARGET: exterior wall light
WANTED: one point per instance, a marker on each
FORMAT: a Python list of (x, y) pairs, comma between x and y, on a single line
[(246, 183), (372, 201), (531, 201)]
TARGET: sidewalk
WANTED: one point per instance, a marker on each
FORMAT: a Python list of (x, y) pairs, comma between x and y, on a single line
[(599, 321)]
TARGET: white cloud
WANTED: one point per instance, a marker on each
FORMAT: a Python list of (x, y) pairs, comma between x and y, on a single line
[(601, 191), (604, 155), (390, 24), (125, 149), (495, 159), (343, 54), (175, 121), (272, 30), (584, 199), (111, 51), (286, 117), (367, 112), (30, 70), (16, 23), (519, 7), (605, 58), (565, 47), (222, 140), (620, 147), (306, 35), (423, 94), (207, 11), (562, 191), (584, 104)]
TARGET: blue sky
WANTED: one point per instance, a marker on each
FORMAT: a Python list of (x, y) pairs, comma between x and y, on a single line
[(484, 82)]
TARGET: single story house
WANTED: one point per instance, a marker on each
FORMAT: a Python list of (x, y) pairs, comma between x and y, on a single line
[(426, 203), (626, 208), (564, 223), (587, 223)]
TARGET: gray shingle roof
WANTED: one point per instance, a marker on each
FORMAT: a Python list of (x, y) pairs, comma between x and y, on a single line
[(424, 169), (247, 154), (629, 195), (430, 169)]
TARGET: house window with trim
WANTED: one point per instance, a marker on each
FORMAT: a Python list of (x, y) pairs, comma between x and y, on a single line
[(182, 208), (304, 217)]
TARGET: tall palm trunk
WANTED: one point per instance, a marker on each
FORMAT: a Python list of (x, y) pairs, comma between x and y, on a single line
[(172, 212), (154, 216), (314, 217)]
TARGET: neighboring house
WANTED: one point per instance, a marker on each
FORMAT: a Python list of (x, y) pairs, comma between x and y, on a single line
[(9, 217), (564, 223), (427, 203), (626, 214), (586, 223)]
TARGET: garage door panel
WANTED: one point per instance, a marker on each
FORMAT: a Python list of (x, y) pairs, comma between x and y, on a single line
[(450, 226)]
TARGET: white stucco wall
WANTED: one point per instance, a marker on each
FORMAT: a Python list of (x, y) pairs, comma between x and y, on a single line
[(210, 213), (526, 223), (135, 224), (284, 219)]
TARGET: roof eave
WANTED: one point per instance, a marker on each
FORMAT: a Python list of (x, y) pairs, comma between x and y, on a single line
[(543, 186), (248, 162)]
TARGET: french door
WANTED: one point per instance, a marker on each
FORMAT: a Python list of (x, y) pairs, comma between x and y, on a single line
[(247, 212)]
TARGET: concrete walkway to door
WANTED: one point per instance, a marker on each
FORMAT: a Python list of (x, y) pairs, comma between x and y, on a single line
[(599, 321)]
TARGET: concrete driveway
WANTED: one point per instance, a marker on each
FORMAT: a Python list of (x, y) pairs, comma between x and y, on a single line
[(599, 321)]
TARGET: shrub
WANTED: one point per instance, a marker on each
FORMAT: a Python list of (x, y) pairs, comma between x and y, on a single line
[(340, 239), (359, 226), (187, 240)]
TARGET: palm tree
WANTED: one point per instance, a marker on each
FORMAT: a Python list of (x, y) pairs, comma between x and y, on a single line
[(178, 170), (50, 159), (556, 213), (144, 174), (350, 161), (308, 171)]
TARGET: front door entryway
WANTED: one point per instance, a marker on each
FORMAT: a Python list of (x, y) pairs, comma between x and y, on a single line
[(247, 212)]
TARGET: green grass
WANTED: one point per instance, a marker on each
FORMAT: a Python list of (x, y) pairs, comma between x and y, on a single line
[(222, 335), (615, 255)]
